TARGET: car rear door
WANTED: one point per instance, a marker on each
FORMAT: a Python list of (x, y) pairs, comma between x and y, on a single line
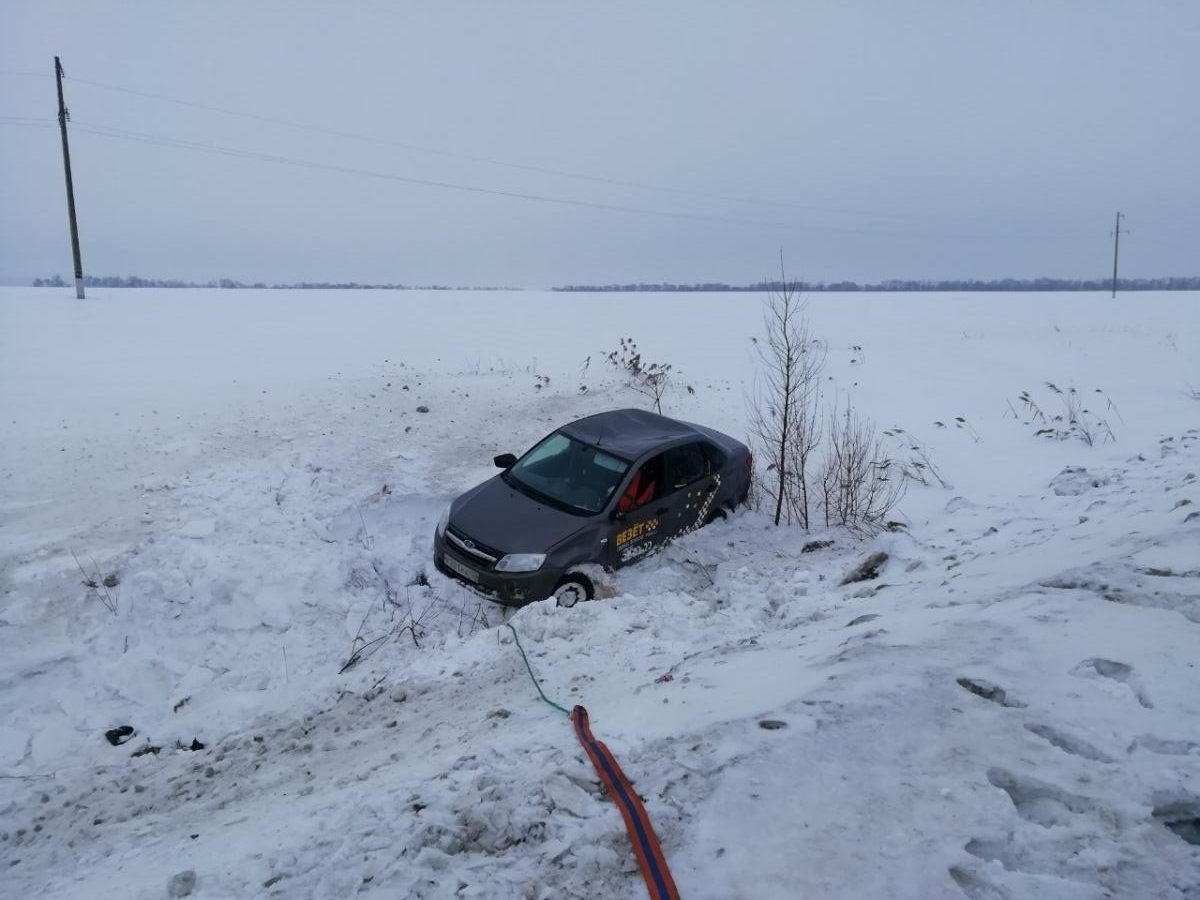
[(693, 483)]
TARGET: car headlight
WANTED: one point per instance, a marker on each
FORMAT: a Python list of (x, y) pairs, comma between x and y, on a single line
[(521, 562), (444, 520)]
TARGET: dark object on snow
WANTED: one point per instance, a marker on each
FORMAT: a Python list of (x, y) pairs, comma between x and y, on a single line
[(1182, 817), (867, 569), (602, 491), (182, 884), (989, 691), (195, 745), (771, 724), (111, 580), (149, 749), (422, 409), (869, 617), (813, 546), (118, 736)]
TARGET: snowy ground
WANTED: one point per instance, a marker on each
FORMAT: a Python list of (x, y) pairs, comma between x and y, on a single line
[(1012, 710)]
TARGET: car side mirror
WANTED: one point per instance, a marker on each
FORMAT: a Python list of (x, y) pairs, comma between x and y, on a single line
[(505, 461)]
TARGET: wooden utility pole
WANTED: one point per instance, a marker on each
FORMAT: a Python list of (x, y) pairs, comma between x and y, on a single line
[(62, 124), (1116, 249)]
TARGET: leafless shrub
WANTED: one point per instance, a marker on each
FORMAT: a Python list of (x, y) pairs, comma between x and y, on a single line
[(913, 460), (651, 380), (364, 535), (964, 425), (1073, 420), (784, 419), (859, 484), (98, 585), (398, 618), (472, 616)]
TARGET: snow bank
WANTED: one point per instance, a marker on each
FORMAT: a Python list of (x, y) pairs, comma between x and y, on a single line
[(1009, 710)]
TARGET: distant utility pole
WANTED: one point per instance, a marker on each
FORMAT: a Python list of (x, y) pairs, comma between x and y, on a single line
[(62, 124), (1116, 249)]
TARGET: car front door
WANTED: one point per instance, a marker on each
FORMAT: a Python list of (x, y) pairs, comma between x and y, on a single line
[(639, 525)]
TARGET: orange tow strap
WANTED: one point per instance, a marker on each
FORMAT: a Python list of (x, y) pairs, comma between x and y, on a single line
[(649, 854)]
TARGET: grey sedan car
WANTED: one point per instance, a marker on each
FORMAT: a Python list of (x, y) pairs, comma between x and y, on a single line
[(602, 491)]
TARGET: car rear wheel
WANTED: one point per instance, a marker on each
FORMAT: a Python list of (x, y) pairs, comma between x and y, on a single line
[(717, 514), (574, 588)]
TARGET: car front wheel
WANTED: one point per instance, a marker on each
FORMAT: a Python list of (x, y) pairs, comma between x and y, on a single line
[(574, 588)]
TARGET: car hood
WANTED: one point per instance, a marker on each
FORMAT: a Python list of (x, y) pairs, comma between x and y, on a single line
[(501, 517)]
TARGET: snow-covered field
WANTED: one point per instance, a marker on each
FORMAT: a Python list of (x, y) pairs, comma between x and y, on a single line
[(1011, 710)]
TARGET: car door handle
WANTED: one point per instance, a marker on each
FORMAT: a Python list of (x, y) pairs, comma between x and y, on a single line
[(662, 510)]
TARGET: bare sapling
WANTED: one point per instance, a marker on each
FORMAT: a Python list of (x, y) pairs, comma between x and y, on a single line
[(784, 419)]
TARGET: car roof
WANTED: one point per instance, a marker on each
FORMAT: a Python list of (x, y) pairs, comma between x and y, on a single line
[(631, 433)]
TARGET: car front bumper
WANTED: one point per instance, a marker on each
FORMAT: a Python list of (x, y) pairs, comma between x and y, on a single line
[(509, 588)]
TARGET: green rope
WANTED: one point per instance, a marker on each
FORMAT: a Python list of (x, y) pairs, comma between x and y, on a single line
[(533, 677)]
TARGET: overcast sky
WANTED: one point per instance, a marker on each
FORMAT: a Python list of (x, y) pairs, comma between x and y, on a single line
[(868, 140)]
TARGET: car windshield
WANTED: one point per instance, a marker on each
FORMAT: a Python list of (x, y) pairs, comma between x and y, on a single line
[(570, 473)]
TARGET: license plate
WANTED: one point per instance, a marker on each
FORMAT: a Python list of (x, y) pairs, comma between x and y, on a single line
[(455, 566)]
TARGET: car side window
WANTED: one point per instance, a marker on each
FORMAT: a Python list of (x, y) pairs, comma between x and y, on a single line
[(686, 465), (647, 485), (716, 459)]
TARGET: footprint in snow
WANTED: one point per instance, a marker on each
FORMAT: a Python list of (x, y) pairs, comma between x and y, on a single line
[(976, 885), (1038, 801), (1117, 671), (1067, 743), (1165, 746)]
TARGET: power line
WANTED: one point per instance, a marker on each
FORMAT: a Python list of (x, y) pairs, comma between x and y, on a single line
[(142, 137), (470, 157), (27, 120), (162, 141), (562, 173), (159, 140)]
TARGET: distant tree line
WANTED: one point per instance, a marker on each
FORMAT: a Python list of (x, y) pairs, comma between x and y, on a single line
[(998, 284), (971, 284), (134, 281)]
